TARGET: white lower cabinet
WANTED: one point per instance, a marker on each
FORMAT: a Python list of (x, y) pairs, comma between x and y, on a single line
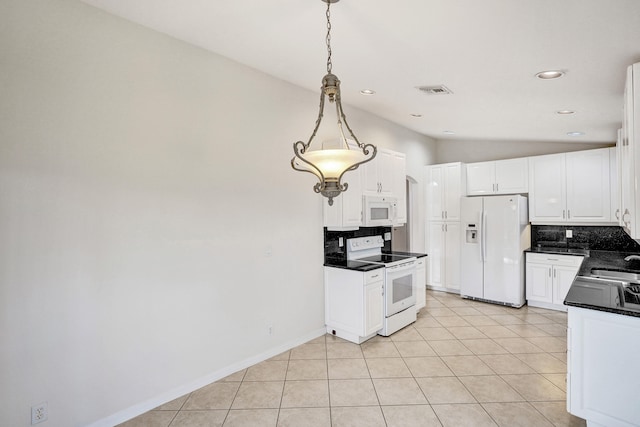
[(354, 303), (603, 379), (549, 278), (421, 279), (444, 256)]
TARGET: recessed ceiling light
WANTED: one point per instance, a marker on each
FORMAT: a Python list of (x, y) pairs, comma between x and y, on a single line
[(565, 112), (448, 132), (367, 92), (550, 74), (416, 115), (575, 133)]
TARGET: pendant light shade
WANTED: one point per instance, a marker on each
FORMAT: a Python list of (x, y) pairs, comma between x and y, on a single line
[(329, 165)]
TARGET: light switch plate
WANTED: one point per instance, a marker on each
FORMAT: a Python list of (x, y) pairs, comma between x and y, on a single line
[(340, 242), (387, 236), (569, 234)]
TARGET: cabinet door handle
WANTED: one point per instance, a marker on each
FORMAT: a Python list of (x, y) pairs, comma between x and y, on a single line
[(569, 214), (497, 187), (563, 214), (446, 214), (618, 214), (373, 277), (554, 272), (446, 227), (549, 272)]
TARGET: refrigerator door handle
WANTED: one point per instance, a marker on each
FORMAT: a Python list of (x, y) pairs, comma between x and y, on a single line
[(483, 235)]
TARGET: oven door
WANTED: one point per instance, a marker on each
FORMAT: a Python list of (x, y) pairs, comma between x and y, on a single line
[(400, 287)]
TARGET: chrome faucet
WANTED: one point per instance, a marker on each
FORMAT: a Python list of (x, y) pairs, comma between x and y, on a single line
[(631, 257)]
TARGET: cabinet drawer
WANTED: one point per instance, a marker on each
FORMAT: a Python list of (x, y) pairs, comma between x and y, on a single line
[(374, 275), (568, 260)]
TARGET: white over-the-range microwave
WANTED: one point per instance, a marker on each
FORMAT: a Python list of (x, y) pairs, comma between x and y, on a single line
[(379, 211)]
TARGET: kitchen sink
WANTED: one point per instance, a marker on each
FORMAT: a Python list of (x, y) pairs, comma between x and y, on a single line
[(623, 276)]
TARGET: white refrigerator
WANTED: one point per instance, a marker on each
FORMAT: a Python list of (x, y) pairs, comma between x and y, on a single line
[(494, 236)]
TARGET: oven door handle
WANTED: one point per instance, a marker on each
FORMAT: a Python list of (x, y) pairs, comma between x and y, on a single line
[(401, 267)]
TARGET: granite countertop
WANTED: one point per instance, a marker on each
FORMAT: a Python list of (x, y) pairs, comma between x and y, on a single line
[(414, 254), (582, 294), (339, 262), (559, 250), (351, 265)]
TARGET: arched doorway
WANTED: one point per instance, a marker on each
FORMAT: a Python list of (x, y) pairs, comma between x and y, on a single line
[(401, 236)]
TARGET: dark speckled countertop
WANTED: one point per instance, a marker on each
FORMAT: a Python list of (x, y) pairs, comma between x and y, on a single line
[(558, 250), (340, 262), (415, 254), (583, 293), (351, 265)]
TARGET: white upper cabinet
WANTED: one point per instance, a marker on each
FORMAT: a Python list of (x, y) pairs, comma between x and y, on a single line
[(498, 177), (630, 154), (446, 183), (400, 187), (346, 212), (383, 176), (588, 189), (512, 176), (378, 174), (572, 187), (547, 188), (481, 178), (614, 183)]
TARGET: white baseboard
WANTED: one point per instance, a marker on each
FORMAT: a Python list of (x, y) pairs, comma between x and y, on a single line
[(140, 408)]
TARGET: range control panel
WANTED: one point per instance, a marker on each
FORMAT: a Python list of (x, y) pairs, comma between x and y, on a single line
[(363, 243)]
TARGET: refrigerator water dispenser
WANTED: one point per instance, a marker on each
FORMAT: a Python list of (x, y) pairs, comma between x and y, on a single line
[(472, 233)]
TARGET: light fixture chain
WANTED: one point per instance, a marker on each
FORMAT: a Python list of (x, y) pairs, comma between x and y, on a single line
[(329, 64)]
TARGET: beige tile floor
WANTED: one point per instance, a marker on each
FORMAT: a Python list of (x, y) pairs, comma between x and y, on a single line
[(462, 363)]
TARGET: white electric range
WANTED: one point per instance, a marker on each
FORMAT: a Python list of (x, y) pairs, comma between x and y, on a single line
[(400, 274)]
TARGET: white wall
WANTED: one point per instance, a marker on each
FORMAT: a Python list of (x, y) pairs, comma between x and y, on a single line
[(142, 183), (478, 151)]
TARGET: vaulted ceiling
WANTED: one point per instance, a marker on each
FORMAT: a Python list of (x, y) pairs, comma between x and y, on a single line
[(486, 52)]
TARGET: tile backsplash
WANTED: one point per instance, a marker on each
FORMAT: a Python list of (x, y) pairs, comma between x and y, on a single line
[(597, 238), (332, 248)]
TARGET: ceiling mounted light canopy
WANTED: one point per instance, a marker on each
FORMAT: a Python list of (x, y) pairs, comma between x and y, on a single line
[(329, 165)]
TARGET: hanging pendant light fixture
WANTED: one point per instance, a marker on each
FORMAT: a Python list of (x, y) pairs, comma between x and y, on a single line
[(329, 165)]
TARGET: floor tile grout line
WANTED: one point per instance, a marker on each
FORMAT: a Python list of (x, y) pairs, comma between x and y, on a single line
[(284, 384)]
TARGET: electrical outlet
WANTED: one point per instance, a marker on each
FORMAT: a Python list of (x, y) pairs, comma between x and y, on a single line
[(39, 413), (569, 234), (340, 242)]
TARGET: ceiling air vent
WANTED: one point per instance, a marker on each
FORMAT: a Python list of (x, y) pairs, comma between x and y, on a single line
[(435, 90)]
